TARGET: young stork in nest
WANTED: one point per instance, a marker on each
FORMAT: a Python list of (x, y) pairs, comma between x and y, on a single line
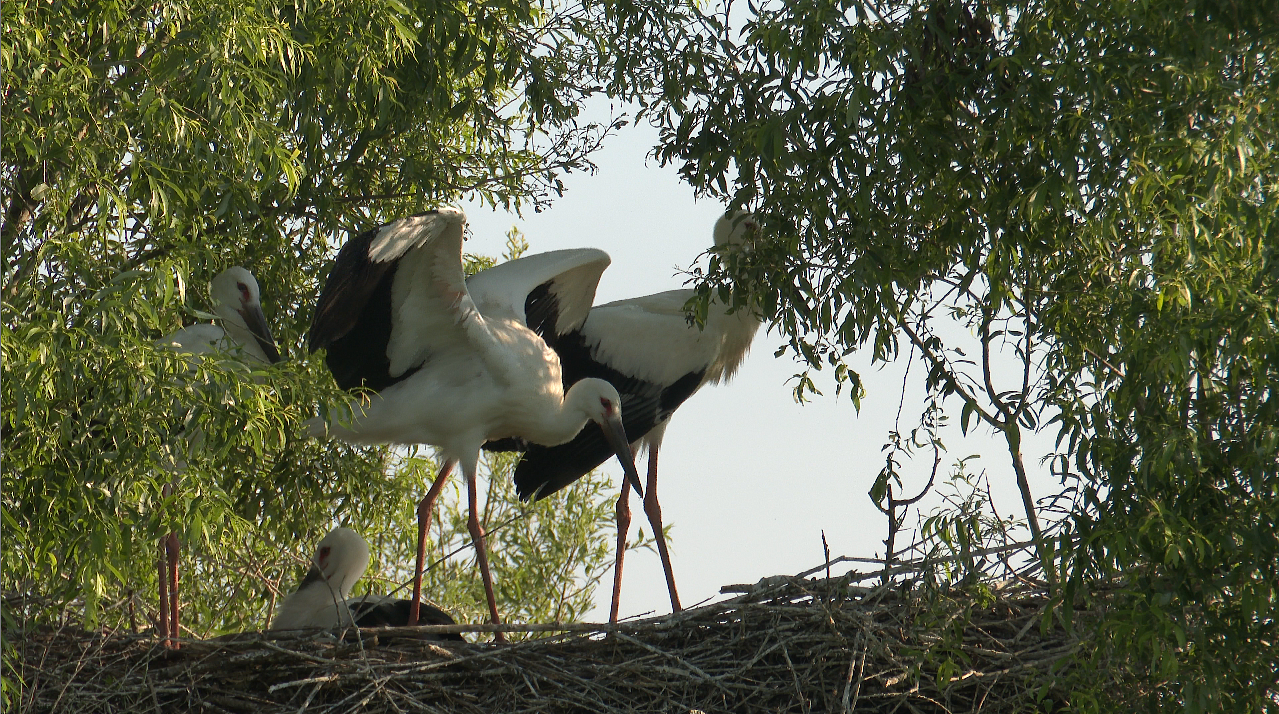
[(243, 329), (323, 599)]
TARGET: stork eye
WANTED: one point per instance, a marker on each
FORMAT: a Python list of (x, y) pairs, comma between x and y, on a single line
[(607, 404), (244, 291), (324, 553)]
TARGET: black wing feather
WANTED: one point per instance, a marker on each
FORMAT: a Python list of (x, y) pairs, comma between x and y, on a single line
[(353, 317), (510, 443), (546, 469), (542, 311), (395, 613), (352, 281)]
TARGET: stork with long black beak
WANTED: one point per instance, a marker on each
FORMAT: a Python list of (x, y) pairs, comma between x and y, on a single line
[(237, 301), (656, 358), (455, 362)]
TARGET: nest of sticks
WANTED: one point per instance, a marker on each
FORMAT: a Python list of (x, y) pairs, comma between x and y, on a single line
[(786, 644)]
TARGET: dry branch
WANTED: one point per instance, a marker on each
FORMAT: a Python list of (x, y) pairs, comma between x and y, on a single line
[(788, 645)]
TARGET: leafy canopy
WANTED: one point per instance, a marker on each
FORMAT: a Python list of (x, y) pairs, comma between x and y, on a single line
[(1088, 187), (148, 147)]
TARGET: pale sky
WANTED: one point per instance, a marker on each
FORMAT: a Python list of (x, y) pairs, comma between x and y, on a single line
[(749, 478)]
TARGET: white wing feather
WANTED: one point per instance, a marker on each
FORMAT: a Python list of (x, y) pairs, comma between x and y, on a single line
[(433, 311), (502, 290), (650, 338)]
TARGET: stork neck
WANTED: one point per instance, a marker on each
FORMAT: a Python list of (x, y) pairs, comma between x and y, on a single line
[(562, 424), (737, 331), (233, 323), (234, 326), (569, 421)]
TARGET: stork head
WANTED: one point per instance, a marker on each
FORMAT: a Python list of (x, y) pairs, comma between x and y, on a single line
[(237, 301), (603, 405), (735, 228), (340, 559)]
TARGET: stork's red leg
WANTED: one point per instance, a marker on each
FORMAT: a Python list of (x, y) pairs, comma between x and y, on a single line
[(162, 614), (654, 511), (424, 508), (623, 527), (171, 548), (166, 617), (481, 552)]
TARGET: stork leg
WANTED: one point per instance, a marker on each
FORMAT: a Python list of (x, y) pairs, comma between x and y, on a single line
[(167, 615), (623, 527), (162, 614), (424, 508), (481, 551), (654, 511), (171, 547)]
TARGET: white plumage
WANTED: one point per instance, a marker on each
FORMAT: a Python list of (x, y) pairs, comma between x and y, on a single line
[(649, 350), (320, 600), (455, 362), (651, 339), (323, 599)]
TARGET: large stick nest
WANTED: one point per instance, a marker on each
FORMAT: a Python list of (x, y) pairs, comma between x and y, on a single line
[(784, 645)]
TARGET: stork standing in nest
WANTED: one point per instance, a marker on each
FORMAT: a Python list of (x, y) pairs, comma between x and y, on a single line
[(243, 329), (453, 362), (651, 352)]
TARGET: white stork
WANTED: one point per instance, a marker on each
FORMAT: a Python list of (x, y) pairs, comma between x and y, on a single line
[(323, 598), (237, 301), (455, 362), (647, 348)]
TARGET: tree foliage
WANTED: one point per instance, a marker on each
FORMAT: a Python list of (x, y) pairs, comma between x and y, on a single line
[(1089, 187), (149, 146)]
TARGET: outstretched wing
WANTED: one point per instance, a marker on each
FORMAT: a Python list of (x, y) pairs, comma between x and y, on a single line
[(395, 295), (549, 292), (647, 350)]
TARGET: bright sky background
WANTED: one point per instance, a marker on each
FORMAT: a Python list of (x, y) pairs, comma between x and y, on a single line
[(749, 478)]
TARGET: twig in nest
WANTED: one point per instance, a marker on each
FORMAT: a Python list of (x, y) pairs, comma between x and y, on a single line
[(778, 648)]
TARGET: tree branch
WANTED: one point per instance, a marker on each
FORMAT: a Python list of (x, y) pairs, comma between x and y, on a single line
[(951, 381), (986, 318), (1118, 372), (20, 209), (1025, 377), (1013, 436)]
